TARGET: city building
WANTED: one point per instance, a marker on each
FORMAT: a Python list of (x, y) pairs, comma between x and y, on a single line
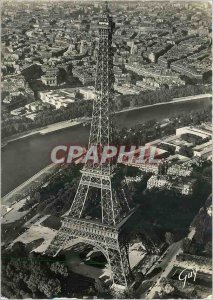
[(194, 130), (165, 182), (174, 142), (34, 106), (127, 89), (13, 83), (88, 92), (204, 150), (85, 75), (179, 170), (50, 77), (160, 182), (18, 111), (58, 98), (133, 179), (31, 116)]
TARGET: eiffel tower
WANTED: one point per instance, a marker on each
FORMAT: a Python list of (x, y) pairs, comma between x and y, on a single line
[(98, 180)]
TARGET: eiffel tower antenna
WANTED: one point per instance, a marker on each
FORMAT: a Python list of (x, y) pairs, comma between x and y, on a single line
[(106, 6), (106, 234)]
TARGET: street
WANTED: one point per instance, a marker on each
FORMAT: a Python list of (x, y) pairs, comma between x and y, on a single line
[(166, 264)]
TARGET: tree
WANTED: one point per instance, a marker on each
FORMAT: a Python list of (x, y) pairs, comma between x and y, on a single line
[(169, 238), (186, 245), (208, 248), (10, 271), (59, 268), (35, 281), (24, 294), (19, 249), (51, 288)]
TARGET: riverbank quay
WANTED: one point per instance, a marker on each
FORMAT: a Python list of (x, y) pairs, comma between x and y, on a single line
[(71, 123), (29, 186), (43, 130)]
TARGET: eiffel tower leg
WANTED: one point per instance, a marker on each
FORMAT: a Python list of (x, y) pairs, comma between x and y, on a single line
[(59, 242), (119, 263), (79, 201), (108, 216)]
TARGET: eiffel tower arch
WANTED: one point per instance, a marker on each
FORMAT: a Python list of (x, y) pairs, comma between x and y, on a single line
[(104, 238), (105, 234)]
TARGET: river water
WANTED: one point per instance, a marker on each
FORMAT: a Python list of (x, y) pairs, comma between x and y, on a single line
[(23, 158)]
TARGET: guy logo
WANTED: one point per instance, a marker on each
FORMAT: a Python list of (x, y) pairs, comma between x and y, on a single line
[(186, 274)]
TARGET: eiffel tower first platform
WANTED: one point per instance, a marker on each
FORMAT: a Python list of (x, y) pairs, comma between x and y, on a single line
[(106, 235)]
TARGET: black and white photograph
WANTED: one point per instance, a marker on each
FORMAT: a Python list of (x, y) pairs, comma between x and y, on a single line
[(106, 149)]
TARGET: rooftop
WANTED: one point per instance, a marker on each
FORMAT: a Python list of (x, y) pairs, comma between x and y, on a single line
[(203, 146)]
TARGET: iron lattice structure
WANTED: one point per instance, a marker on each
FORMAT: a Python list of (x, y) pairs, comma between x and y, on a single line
[(105, 235)]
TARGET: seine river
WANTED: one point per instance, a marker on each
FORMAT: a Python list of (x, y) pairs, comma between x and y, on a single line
[(23, 158)]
